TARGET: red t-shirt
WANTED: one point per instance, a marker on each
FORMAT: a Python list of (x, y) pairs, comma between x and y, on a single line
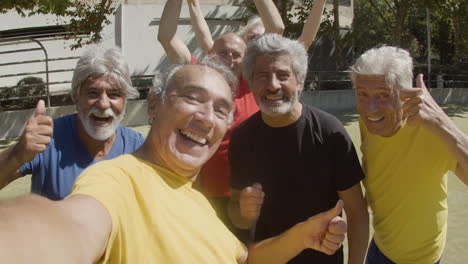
[(216, 171)]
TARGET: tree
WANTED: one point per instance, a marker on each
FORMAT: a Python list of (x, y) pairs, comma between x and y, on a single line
[(403, 23), (84, 16)]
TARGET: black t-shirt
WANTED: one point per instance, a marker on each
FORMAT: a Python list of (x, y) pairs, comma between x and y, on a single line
[(301, 167)]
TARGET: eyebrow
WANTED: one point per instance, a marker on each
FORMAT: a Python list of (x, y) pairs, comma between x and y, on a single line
[(201, 89)]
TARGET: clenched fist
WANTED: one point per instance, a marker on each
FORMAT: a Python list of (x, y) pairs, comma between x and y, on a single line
[(250, 202)]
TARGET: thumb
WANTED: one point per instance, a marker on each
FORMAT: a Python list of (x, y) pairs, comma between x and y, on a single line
[(420, 81), (40, 108), (257, 186), (336, 211)]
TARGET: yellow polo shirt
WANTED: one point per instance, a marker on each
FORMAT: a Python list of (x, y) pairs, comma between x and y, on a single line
[(406, 188), (157, 217)]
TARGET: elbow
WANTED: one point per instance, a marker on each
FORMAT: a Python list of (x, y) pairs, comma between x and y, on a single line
[(163, 39), (206, 48), (279, 29)]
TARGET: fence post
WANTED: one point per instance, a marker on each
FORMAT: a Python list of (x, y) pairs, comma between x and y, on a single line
[(47, 69)]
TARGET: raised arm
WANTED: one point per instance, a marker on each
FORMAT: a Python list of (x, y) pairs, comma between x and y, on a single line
[(271, 18), (323, 232), (200, 27), (312, 23), (357, 218), (421, 109), (34, 229), (175, 48), (35, 138)]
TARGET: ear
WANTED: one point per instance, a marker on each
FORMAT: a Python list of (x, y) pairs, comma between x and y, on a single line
[(154, 102)]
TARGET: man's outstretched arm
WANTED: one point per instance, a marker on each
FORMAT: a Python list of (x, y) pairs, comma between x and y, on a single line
[(175, 48), (312, 24), (200, 27), (271, 18), (34, 229), (324, 232)]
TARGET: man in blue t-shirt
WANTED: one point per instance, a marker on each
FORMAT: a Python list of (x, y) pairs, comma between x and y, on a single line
[(56, 151)]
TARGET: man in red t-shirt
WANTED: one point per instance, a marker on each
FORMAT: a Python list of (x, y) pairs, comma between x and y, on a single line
[(229, 48)]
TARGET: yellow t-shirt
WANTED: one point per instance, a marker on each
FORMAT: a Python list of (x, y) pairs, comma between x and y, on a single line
[(406, 188), (157, 217)]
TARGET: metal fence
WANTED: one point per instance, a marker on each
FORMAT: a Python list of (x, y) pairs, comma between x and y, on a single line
[(31, 88)]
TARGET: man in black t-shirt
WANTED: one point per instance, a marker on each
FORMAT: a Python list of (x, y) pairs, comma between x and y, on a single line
[(291, 160)]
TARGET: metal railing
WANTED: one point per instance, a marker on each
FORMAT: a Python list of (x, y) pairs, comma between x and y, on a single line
[(46, 63)]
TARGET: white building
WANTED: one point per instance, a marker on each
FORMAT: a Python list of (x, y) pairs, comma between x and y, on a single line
[(133, 28)]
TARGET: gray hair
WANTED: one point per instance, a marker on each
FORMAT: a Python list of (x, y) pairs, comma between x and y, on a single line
[(251, 23), (98, 61), (161, 80), (274, 44), (394, 63)]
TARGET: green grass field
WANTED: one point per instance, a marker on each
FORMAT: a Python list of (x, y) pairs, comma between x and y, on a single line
[(457, 238)]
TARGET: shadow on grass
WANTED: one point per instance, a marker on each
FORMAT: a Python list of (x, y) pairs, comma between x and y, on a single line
[(454, 110), (346, 117)]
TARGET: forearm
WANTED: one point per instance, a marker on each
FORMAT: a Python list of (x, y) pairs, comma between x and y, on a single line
[(200, 27), (358, 238), (174, 47), (312, 23), (271, 18), (10, 164), (279, 249), (457, 143), (35, 230)]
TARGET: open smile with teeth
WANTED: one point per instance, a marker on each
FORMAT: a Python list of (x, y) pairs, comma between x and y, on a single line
[(274, 97), (375, 119), (101, 119), (193, 137)]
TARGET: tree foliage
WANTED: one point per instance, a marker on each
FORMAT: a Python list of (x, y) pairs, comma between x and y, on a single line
[(88, 17), (403, 23), (389, 22)]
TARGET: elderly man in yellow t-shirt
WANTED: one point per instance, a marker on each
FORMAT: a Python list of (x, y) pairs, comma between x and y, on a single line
[(141, 207), (408, 145)]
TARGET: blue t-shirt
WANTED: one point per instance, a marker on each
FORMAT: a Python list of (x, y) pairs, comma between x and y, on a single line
[(54, 171)]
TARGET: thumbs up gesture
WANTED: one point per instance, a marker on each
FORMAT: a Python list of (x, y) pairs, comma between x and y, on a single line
[(326, 231), (250, 202), (36, 135)]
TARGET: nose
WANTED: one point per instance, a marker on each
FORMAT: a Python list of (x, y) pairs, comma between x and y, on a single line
[(273, 84), (372, 105), (206, 115), (103, 101)]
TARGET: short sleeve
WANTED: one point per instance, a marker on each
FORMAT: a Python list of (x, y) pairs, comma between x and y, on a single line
[(242, 251), (107, 185), (347, 171), (30, 166)]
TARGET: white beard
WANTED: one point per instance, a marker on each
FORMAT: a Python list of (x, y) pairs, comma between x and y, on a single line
[(100, 133)]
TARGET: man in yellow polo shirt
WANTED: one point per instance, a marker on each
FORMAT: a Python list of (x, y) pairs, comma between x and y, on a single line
[(408, 146), (141, 207)]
